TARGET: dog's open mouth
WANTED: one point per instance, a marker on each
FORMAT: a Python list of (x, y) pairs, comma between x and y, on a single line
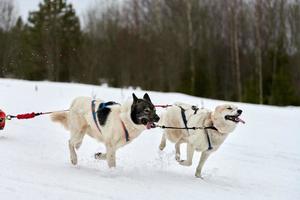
[(148, 124), (234, 118)]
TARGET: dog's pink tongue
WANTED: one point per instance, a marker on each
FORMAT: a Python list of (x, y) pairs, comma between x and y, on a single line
[(149, 125), (240, 120)]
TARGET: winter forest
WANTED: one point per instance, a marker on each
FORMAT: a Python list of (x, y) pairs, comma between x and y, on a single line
[(236, 50)]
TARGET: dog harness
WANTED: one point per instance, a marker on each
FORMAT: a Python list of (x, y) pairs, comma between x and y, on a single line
[(102, 106), (195, 108), (207, 136), (94, 115), (183, 117)]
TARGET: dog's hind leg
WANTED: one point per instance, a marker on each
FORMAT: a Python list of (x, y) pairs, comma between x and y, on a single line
[(73, 155), (190, 153), (163, 142), (204, 156), (75, 142), (79, 138)]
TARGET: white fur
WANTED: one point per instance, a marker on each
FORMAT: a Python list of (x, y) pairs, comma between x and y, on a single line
[(196, 139), (79, 121)]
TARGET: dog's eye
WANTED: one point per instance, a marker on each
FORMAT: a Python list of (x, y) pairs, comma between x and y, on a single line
[(229, 108), (147, 110)]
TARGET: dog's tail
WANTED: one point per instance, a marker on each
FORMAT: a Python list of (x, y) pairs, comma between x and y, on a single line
[(61, 117)]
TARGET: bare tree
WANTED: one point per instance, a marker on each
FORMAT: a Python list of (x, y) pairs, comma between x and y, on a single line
[(235, 9), (258, 13), (7, 21), (190, 36), (7, 14)]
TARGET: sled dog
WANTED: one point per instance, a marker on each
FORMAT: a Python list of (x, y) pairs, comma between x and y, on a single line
[(113, 124), (219, 123)]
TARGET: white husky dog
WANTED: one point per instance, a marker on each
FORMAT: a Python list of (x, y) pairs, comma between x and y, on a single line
[(113, 124), (218, 123)]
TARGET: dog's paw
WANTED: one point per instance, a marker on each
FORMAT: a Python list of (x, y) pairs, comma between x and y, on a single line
[(185, 163), (198, 175), (74, 160), (100, 156), (111, 163), (161, 147), (97, 155), (177, 157)]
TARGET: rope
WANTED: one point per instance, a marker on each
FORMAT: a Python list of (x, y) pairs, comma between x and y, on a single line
[(181, 128), (163, 106), (31, 115), (193, 128)]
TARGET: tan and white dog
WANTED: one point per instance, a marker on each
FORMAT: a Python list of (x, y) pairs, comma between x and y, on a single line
[(113, 124), (220, 123)]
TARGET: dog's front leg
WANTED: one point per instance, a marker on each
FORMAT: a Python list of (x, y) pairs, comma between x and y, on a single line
[(163, 142), (204, 156), (111, 156), (190, 153)]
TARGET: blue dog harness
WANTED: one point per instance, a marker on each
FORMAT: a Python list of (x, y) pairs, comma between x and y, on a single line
[(94, 115), (102, 106)]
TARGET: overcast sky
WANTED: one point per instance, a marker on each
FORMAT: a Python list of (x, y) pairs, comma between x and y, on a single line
[(24, 6)]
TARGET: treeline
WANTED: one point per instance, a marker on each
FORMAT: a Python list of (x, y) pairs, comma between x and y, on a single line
[(238, 50)]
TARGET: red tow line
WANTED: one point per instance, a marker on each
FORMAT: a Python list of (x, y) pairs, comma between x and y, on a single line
[(4, 117), (163, 106)]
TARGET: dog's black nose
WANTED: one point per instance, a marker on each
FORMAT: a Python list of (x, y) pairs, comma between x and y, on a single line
[(239, 111), (156, 118)]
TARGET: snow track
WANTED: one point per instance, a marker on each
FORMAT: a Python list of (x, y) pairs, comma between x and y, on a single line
[(259, 160)]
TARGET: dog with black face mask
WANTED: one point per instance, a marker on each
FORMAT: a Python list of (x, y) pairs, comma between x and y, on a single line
[(113, 124)]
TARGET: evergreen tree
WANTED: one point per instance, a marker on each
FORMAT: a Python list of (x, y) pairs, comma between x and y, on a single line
[(54, 36)]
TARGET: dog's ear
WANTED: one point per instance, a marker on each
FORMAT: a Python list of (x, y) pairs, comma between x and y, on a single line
[(218, 108), (146, 97), (135, 99)]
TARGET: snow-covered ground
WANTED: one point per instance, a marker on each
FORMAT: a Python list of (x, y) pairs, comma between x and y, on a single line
[(260, 160)]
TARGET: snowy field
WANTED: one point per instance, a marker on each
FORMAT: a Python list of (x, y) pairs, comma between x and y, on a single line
[(259, 160)]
